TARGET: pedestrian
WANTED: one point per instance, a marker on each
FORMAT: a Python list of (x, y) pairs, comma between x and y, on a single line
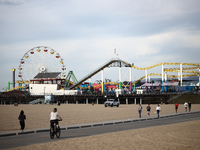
[(176, 107), (148, 110), (186, 105), (140, 110), (189, 106), (158, 109), (21, 118)]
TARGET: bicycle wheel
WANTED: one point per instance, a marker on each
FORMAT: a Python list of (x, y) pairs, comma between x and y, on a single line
[(51, 134), (58, 132)]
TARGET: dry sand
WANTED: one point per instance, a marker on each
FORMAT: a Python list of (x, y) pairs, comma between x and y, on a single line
[(182, 136), (38, 115), (176, 136)]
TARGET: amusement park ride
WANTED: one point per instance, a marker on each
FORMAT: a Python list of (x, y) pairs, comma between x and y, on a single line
[(42, 71)]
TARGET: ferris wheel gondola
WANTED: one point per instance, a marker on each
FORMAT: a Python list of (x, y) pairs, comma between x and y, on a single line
[(40, 59)]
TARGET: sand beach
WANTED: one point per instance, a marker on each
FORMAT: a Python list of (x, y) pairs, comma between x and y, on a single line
[(177, 136)]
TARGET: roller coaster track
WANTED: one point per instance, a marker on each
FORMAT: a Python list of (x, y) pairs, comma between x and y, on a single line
[(185, 70), (94, 72), (195, 73), (159, 64), (178, 69)]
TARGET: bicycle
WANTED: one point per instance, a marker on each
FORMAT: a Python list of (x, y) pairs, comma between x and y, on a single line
[(56, 131)]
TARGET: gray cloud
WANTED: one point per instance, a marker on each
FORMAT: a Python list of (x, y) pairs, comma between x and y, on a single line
[(11, 2), (86, 33)]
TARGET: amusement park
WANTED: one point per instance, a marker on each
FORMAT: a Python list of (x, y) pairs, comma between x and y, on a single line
[(42, 78)]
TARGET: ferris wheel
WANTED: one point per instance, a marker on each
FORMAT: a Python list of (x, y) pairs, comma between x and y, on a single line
[(40, 59)]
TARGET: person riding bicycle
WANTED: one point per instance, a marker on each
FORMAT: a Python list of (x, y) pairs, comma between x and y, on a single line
[(53, 118)]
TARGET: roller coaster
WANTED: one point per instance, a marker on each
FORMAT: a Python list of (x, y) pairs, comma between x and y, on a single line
[(193, 70), (121, 63)]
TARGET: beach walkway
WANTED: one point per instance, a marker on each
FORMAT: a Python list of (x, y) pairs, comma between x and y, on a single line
[(11, 139)]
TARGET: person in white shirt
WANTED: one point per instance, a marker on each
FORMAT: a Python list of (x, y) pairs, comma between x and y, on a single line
[(158, 109), (186, 105), (54, 118)]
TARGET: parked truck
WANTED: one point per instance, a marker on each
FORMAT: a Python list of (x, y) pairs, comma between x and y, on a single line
[(111, 102)]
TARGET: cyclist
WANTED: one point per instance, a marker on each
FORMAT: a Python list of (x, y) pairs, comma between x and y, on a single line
[(53, 118)]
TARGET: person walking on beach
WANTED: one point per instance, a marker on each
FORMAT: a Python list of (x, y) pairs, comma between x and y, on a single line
[(148, 110), (140, 110), (158, 109), (189, 106), (176, 107), (21, 118), (186, 105)]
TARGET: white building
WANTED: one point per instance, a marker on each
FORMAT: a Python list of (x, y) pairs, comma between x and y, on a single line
[(49, 84)]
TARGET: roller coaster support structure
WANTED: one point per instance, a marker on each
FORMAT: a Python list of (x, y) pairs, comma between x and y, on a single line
[(102, 80), (146, 74), (13, 70), (162, 77), (166, 87), (120, 77), (181, 74)]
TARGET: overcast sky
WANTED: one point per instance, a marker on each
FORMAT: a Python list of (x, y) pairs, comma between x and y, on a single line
[(86, 32)]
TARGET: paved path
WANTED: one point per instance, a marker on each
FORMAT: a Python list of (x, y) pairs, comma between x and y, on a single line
[(11, 139)]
